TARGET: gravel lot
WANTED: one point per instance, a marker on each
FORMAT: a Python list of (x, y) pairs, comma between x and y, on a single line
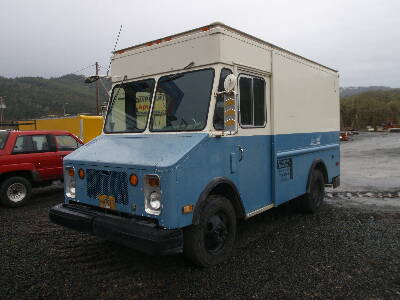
[(347, 250), (371, 162)]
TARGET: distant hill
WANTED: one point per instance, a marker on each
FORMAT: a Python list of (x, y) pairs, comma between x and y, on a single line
[(370, 108), (354, 90), (35, 97)]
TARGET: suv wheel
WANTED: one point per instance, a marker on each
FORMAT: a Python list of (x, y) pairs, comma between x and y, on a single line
[(212, 240), (15, 191)]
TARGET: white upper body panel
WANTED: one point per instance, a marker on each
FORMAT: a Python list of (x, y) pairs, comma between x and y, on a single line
[(217, 44), (302, 95), (305, 98)]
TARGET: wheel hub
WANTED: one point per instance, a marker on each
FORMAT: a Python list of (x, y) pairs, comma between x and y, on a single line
[(216, 233), (317, 193), (16, 192)]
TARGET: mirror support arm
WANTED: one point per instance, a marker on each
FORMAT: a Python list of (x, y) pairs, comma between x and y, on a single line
[(105, 89), (224, 93)]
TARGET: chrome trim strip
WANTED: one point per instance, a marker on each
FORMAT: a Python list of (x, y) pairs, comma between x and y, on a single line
[(258, 211), (306, 150)]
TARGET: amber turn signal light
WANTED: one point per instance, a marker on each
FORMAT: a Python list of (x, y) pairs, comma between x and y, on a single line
[(133, 179), (153, 181), (187, 209), (81, 173), (71, 172)]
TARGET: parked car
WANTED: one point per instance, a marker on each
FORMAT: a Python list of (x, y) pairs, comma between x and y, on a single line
[(344, 136), (29, 159)]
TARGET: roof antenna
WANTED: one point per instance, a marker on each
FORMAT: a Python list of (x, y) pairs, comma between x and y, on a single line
[(115, 46)]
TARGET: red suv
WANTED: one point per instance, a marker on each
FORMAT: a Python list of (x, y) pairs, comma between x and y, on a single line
[(31, 158)]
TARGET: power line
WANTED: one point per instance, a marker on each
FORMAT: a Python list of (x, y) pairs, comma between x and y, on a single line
[(81, 69), (102, 67)]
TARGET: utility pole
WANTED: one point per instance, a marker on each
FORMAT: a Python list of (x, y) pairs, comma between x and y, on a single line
[(2, 108), (97, 89), (64, 109)]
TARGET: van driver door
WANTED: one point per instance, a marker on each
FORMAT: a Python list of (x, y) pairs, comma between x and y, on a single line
[(254, 142)]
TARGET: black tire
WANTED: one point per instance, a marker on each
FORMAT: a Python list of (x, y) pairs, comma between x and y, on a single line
[(212, 240), (15, 191), (312, 201)]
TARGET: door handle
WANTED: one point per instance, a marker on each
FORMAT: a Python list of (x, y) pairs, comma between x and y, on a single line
[(241, 150)]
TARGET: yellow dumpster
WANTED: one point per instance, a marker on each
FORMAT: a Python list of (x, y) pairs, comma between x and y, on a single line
[(84, 127)]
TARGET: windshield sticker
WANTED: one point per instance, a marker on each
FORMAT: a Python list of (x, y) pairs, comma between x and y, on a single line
[(160, 110)]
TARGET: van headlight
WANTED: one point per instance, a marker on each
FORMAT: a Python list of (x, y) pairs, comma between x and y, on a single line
[(152, 195), (155, 200), (69, 182)]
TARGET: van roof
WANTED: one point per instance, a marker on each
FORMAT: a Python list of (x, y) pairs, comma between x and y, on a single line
[(207, 28)]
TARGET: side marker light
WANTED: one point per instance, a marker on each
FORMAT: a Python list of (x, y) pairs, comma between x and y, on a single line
[(187, 209), (81, 173)]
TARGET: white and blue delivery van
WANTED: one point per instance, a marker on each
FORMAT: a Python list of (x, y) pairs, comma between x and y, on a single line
[(203, 128)]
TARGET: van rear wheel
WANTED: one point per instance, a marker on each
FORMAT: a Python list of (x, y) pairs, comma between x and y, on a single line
[(312, 200), (15, 191), (212, 240)]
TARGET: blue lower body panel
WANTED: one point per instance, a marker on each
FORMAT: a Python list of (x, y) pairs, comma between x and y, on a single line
[(295, 155), (266, 169)]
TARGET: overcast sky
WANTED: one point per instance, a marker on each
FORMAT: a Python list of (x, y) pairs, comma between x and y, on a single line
[(51, 38)]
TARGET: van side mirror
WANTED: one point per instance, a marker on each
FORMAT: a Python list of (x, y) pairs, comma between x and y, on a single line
[(230, 83), (230, 107)]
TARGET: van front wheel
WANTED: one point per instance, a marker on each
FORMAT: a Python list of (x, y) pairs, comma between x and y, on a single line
[(212, 240)]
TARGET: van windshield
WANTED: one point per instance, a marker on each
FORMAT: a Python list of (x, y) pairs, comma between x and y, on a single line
[(181, 101), (129, 106)]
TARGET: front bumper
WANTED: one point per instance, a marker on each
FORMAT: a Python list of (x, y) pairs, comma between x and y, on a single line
[(138, 234)]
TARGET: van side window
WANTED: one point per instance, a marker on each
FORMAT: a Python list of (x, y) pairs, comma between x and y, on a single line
[(218, 120), (259, 101), (252, 101), (246, 105)]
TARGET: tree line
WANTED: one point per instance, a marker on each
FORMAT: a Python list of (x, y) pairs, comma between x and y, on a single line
[(36, 97), (372, 108)]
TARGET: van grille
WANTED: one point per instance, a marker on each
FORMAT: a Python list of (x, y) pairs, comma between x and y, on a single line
[(110, 183)]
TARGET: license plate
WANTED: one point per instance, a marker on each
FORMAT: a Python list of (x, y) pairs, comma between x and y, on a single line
[(107, 201)]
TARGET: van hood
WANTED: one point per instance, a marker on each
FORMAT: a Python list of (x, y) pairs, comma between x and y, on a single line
[(138, 151)]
